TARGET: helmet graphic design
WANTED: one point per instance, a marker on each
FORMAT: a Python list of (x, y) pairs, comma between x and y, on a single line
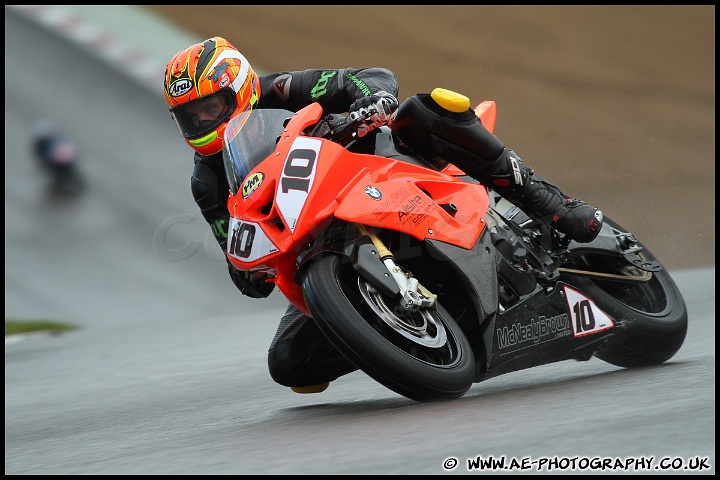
[(205, 85)]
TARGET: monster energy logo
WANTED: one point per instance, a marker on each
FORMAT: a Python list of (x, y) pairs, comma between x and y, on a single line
[(320, 87), (218, 228), (360, 84)]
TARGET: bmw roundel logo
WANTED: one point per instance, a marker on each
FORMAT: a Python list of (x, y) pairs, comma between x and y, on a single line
[(373, 192)]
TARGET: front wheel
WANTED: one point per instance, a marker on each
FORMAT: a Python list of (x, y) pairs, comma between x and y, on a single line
[(422, 355), (650, 311)]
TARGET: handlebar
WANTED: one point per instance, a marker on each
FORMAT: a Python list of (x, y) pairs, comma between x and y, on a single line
[(338, 128)]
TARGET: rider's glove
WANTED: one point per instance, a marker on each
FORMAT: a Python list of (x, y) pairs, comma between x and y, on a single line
[(372, 112), (252, 284)]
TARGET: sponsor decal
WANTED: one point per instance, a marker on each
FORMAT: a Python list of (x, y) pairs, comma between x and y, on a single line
[(320, 87), (218, 71), (373, 192), (180, 87), (584, 318), (218, 228), (359, 84), (406, 206), (251, 183), (415, 209), (539, 330), (390, 205), (282, 86)]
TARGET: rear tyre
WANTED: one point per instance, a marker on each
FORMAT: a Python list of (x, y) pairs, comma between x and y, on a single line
[(649, 309)]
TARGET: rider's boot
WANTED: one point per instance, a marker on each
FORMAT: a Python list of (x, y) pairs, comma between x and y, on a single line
[(541, 199)]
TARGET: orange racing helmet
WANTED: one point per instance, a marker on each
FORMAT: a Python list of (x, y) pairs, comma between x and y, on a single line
[(206, 84)]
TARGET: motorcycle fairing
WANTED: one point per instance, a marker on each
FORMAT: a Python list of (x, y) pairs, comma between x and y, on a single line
[(545, 328), (398, 196), (475, 281), (412, 200)]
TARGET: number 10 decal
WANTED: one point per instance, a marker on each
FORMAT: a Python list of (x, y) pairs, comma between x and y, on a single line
[(247, 242), (297, 179), (587, 318)]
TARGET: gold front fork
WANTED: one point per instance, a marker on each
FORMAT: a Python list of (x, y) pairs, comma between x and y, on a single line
[(413, 293)]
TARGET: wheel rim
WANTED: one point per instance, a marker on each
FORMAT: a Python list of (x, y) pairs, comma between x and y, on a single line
[(419, 326), (437, 349)]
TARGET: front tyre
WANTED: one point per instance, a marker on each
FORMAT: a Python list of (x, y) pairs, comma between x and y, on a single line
[(422, 355)]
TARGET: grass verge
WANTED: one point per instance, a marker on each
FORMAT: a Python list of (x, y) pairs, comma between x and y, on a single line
[(13, 327)]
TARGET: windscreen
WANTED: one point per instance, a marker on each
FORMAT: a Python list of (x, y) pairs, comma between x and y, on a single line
[(249, 138)]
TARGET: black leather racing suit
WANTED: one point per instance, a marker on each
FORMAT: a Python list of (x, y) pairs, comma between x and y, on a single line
[(299, 355)]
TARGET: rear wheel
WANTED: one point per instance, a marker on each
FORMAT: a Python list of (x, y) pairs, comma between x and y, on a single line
[(648, 307), (422, 355)]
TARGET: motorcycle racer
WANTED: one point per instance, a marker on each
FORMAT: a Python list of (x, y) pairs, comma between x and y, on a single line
[(208, 83), (58, 155)]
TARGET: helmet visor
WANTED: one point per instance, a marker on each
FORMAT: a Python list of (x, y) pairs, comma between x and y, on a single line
[(204, 115)]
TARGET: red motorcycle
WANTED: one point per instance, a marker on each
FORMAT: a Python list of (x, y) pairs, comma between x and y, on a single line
[(426, 280)]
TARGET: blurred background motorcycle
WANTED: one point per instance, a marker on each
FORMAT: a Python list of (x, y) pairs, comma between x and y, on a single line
[(58, 156)]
